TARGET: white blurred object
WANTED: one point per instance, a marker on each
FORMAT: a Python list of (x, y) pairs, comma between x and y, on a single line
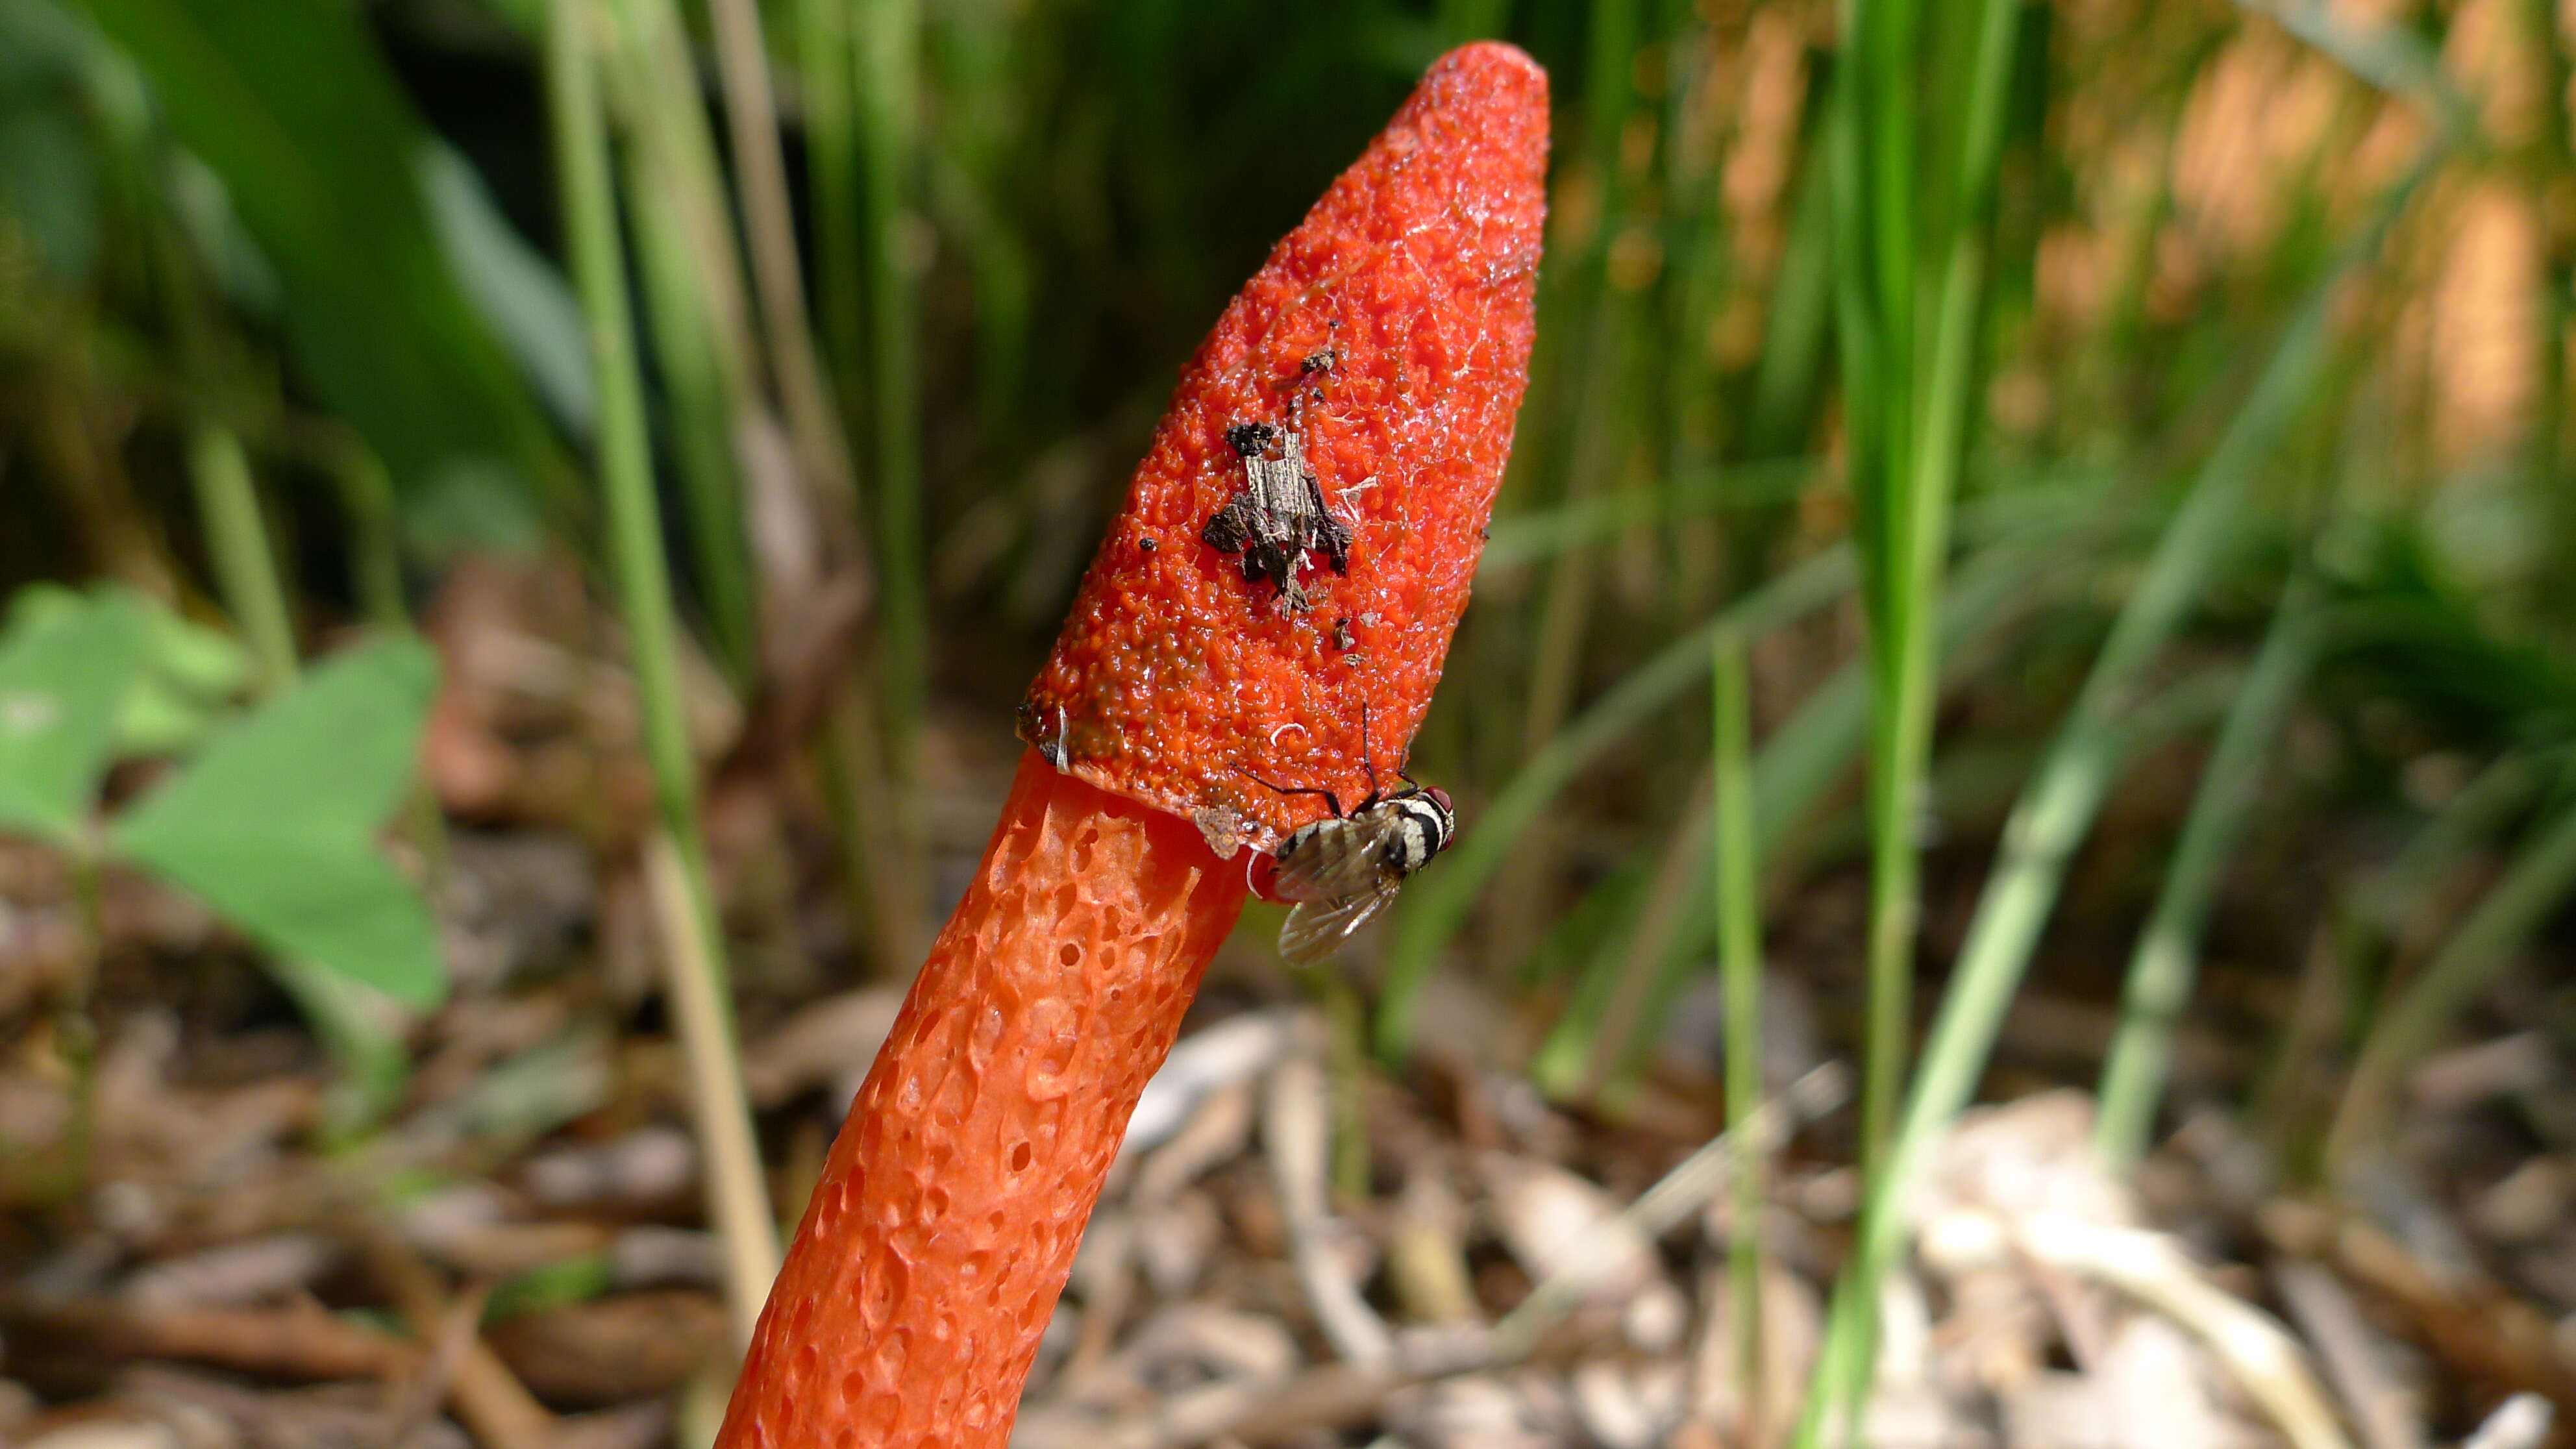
[(830, 1042), (1332, 1257), (1486, 1411), (642, 1166), (1628, 1406), (2520, 1422), (1555, 1222), (252, 1271), (1234, 1050), (110, 1434)]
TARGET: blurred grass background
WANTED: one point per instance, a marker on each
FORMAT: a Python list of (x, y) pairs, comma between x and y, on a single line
[(2123, 443)]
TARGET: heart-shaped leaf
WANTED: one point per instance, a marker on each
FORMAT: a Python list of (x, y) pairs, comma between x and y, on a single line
[(275, 824)]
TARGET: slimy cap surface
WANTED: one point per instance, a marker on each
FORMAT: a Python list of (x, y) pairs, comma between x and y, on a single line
[(1391, 332)]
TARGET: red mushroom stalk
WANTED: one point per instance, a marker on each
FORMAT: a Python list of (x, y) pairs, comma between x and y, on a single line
[(1384, 347)]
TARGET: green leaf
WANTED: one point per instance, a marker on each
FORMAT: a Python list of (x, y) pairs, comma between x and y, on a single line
[(184, 674), (363, 1028), (275, 824), (189, 674), (558, 1284), (290, 104), (49, 172), (64, 672), (49, 186), (527, 302)]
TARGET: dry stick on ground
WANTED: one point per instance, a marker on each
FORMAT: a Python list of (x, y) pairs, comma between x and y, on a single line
[(457, 1333), (1679, 1193), (488, 1397), (2151, 1268), (1392, 328), (1340, 1394), (718, 1107), (180, 1401), (751, 116), (2381, 1411), (303, 1342), (1296, 1132), (2476, 1327)]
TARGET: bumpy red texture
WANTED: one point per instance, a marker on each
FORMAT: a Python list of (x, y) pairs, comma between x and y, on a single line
[(944, 1226), (1417, 271)]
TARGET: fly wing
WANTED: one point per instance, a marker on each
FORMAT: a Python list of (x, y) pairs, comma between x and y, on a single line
[(1341, 859), (1316, 929)]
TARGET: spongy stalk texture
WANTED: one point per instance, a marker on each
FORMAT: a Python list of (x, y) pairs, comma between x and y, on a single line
[(945, 1222), (1391, 333)]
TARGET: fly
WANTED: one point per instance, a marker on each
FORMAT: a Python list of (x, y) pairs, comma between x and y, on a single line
[(1341, 872), (1279, 516)]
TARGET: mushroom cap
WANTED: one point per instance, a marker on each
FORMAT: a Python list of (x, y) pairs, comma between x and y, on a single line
[(1391, 332)]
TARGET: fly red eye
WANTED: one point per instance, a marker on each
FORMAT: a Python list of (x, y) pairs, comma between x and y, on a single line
[(1440, 798)]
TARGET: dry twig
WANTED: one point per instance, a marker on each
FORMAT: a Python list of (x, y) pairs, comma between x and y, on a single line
[(2325, 1312)]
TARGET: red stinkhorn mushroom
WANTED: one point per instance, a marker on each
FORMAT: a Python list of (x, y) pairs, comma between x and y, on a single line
[(1390, 331)]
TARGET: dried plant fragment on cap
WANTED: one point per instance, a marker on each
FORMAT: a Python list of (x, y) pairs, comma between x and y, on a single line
[(1279, 517)]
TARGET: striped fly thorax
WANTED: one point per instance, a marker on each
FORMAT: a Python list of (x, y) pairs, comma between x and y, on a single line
[(1342, 871)]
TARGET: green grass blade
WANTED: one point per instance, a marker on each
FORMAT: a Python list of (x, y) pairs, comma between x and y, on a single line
[(700, 413), (889, 50), (1583, 523), (1916, 493), (2285, 1105), (737, 1191), (2482, 808), (1565, 613), (1802, 317), (625, 462), (1614, 324), (975, 55), (1738, 899), (1805, 755), (653, 87), (237, 537), (826, 68), (1605, 930), (2167, 959), (376, 551), (1437, 904), (2477, 955), (2016, 531), (769, 226), (2054, 813)]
